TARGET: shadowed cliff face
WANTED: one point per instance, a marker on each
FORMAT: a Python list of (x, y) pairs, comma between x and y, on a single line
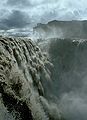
[(23, 77)]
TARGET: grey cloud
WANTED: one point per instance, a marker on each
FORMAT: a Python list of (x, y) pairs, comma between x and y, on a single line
[(16, 19), (40, 11), (47, 10), (58, 9), (18, 3), (26, 3)]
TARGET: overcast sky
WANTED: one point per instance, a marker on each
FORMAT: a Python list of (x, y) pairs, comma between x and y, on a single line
[(21, 14)]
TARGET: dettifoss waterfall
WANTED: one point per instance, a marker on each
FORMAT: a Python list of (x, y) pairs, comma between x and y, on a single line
[(43, 81)]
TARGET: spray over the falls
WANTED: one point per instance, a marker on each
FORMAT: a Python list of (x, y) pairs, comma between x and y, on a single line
[(69, 76)]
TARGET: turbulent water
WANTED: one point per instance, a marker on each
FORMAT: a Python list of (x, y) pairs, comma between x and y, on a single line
[(24, 75), (69, 86)]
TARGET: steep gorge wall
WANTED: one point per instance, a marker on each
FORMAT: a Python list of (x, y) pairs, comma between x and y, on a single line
[(23, 76)]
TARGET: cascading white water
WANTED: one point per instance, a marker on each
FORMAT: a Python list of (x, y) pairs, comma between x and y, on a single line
[(24, 73)]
